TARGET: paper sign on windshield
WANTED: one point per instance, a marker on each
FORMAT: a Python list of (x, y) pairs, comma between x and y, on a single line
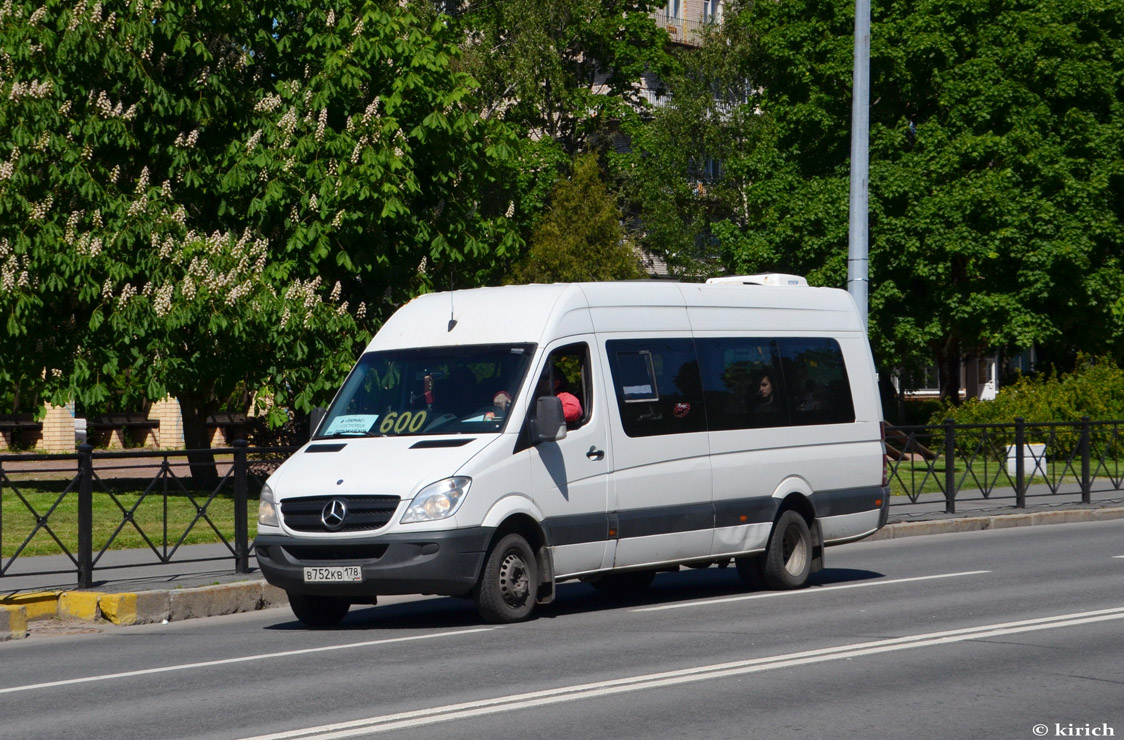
[(353, 424)]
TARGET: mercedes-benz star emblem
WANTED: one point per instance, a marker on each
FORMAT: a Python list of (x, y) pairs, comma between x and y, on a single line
[(333, 513)]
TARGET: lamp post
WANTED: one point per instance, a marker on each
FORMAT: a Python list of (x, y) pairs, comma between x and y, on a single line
[(858, 246)]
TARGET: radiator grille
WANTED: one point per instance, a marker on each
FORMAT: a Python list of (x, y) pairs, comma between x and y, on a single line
[(363, 513)]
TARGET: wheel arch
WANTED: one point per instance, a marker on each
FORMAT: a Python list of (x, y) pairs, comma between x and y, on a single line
[(795, 494), (527, 526)]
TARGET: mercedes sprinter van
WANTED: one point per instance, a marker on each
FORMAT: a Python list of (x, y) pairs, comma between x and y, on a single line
[(493, 442)]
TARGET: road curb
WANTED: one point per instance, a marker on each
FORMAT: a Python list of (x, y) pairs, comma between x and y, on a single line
[(13, 622), (897, 530), (140, 607), (36, 605), (78, 605)]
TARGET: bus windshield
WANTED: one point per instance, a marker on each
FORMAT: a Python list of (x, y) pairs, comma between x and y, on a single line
[(431, 390)]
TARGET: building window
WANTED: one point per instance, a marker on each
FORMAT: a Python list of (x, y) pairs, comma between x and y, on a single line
[(712, 11)]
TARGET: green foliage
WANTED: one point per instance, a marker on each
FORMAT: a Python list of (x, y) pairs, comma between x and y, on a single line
[(580, 238), (565, 74), (681, 176), (913, 411), (996, 154), (203, 199), (997, 163), (1095, 389), (563, 70)]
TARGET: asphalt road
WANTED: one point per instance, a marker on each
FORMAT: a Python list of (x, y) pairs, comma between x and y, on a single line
[(1014, 633)]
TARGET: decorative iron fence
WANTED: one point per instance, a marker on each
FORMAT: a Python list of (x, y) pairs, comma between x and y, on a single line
[(995, 462), (157, 500)]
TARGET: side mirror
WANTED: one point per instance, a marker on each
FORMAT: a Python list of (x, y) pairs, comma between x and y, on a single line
[(548, 423)]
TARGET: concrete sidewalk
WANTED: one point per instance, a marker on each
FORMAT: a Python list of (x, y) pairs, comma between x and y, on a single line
[(132, 587)]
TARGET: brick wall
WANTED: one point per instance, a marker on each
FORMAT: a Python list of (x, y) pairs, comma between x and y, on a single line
[(58, 429), (169, 436)]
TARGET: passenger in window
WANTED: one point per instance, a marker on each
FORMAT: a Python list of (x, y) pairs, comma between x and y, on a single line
[(571, 406), (766, 398), (564, 364)]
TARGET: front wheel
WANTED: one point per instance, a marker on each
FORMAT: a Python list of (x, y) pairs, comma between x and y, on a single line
[(506, 590), (318, 611), (787, 560)]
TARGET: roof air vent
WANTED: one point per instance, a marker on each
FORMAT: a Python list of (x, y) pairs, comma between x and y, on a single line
[(765, 278)]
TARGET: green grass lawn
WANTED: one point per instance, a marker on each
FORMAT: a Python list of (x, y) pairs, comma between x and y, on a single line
[(912, 474), (17, 521)]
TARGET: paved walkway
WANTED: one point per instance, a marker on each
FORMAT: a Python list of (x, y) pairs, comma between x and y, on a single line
[(127, 570)]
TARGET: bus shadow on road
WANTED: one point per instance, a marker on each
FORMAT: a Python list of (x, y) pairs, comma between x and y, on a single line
[(574, 598)]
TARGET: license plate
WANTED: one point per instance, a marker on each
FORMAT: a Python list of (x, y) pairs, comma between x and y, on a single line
[(334, 574)]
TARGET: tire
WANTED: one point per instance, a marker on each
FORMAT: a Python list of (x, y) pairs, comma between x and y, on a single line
[(318, 611), (509, 582), (788, 556), (624, 585)]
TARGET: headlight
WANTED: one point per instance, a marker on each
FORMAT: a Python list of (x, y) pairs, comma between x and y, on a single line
[(267, 508), (438, 500)]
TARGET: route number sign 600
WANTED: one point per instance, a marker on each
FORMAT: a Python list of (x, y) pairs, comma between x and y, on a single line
[(400, 423)]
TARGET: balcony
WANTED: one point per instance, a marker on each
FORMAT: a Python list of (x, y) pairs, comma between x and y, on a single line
[(685, 31)]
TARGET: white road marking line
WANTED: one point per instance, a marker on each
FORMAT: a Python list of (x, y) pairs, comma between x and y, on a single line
[(805, 591), (243, 659), (422, 717)]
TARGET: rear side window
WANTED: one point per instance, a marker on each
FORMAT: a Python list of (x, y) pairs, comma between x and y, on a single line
[(816, 381), (657, 385), (743, 383)]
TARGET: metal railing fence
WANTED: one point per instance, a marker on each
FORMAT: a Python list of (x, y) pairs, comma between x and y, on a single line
[(995, 462), (57, 492)]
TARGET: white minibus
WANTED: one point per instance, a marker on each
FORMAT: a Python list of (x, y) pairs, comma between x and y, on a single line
[(493, 442)]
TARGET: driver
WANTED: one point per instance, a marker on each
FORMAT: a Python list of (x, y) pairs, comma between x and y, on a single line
[(502, 402)]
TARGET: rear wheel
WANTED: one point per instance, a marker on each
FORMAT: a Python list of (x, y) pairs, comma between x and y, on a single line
[(318, 611), (508, 583), (787, 560)]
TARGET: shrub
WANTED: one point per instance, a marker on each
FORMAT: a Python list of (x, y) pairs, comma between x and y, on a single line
[(1095, 389)]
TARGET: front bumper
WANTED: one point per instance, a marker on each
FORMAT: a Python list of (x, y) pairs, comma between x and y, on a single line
[(443, 563)]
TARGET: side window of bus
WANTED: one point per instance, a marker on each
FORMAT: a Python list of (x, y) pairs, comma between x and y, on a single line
[(657, 386), (743, 383), (567, 376), (816, 378)]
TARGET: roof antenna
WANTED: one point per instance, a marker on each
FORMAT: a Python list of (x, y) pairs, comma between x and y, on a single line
[(452, 321)]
